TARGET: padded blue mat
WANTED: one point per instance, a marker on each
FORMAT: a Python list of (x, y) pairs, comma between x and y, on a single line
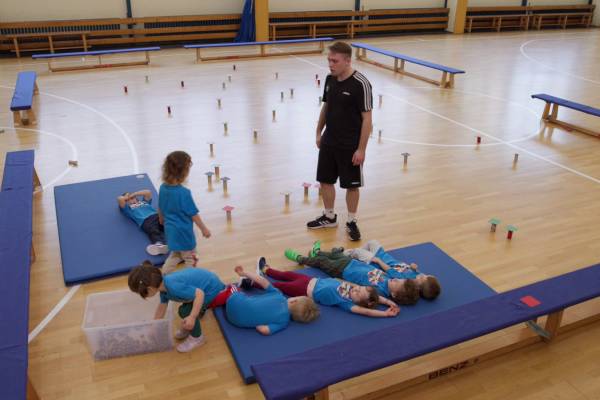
[(96, 239), (459, 286)]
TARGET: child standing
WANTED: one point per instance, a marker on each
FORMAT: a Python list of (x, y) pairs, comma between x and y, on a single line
[(178, 212), (195, 288)]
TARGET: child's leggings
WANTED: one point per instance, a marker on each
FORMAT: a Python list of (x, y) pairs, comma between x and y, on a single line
[(292, 283)]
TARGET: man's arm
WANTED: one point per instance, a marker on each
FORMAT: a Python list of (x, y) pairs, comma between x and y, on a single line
[(367, 126), (321, 124)]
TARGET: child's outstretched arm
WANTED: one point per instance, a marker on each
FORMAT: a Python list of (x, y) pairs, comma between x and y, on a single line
[(380, 263), (387, 302), (122, 200), (190, 320), (263, 330), (198, 221), (390, 312), (161, 310), (259, 280)]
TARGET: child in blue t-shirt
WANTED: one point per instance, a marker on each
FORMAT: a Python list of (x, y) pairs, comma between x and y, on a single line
[(269, 312), (178, 212), (195, 288), (373, 252), (330, 292), (137, 207)]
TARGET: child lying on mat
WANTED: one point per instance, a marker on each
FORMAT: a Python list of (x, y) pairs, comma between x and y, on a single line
[(196, 288), (330, 292), (372, 252), (338, 265), (137, 207), (269, 312)]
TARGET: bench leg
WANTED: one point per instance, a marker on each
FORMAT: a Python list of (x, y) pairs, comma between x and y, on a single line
[(197, 55), (16, 44), (554, 114), (444, 79), (31, 116), (552, 325), (84, 40), (546, 111), (17, 118), (51, 43), (395, 65), (451, 81), (262, 50), (36, 181), (402, 65)]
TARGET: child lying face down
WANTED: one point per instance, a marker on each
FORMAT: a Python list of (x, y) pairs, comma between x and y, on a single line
[(337, 265), (137, 207), (373, 253), (330, 292)]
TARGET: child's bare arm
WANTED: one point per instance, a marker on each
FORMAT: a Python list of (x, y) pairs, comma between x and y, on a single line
[(161, 219), (259, 280), (380, 263), (122, 200), (198, 221), (190, 320), (161, 310), (263, 330), (390, 312), (387, 302)]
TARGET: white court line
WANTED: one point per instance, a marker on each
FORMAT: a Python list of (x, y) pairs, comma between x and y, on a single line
[(527, 56), (73, 149), (511, 145), (59, 306)]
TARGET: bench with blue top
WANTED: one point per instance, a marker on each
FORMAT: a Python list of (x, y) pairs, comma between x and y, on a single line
[(555, 102), (400, 60), (313, 371), (262, 48), (99, 54), (16, 256), (22, 100)]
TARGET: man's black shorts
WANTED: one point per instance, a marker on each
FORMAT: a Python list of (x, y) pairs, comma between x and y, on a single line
[(334, 163)]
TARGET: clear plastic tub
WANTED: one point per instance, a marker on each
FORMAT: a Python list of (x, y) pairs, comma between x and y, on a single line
[(121, 323)]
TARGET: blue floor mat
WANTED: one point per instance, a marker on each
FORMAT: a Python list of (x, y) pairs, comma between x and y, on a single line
[(96, 239), (459, 286)]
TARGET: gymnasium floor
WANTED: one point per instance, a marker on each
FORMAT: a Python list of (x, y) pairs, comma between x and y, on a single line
[(447, 194)]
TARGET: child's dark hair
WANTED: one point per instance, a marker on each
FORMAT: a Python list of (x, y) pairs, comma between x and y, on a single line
[(372, 300), (430, 289), (408, 294), (176, 167), (144, 276)]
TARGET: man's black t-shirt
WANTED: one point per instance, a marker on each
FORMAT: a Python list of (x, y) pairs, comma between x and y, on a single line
[(346, 100)]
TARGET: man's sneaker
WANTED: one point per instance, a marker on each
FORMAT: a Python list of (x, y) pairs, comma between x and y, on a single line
[(322, 222), (181, 334), (315, 249), (157, 248), (261, 265), (291, 254), (190, 344), (353, 231)]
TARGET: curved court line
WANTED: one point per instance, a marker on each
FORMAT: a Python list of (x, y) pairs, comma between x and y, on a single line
[(121, 131), (68, 142), (530, 58), (59, 306)]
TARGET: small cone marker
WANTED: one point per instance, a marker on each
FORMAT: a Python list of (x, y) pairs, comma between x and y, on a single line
[(234, 68), (306, 185), (316, 76), (380, 134), (182, 84), (125, 89), (405, 155), (224, 180), (169, 110), (212, 148), (224, 86), (228, 210), (209, 175), (281, 96), (217, 170), (274, 115), (287, 198), (380, 100), (318, 83), (510, 230), (255, 133), (147, 79), (276, 75), (219, 103), (73, 163), (229, 78), (494, 222), (225, 127), (516, 159), (478, 139), (292, 93)]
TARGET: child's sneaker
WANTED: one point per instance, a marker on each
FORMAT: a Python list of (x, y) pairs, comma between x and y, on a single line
[(291, 254), (245, 283), (261, 266), (315, 249), (157, 248), (190, 344), (181, 334)]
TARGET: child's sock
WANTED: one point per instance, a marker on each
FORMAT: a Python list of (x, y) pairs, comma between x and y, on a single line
[(329, 213)]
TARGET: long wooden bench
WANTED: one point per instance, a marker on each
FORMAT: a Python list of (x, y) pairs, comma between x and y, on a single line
[(40, 36), (497, 18), (552, 115), (262, 46), (99, 54), (400, 60), (313, 371), (16, 256), (22, 100)]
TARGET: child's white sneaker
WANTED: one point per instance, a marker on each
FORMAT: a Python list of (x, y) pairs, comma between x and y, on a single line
[(157, 248), (181, 334), (190, 344)]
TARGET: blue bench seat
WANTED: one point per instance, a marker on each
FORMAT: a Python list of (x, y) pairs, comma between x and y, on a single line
[(309, 372), (22, 99), (447, 80), (552, 115)]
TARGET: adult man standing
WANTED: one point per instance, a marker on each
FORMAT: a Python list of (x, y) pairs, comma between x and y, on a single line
[(346, 117)]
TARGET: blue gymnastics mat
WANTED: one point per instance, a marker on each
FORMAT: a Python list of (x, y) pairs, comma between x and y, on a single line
[(96, 239), (459, 287)]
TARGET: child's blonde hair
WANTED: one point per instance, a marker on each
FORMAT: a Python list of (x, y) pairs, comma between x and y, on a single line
[(304, 309), (407, 294), (430, 288), (176, 167)]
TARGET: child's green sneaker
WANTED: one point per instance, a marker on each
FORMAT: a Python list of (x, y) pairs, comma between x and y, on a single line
[(315, 249), (291, 254)]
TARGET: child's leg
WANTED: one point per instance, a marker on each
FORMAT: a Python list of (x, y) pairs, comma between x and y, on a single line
[(184, 310), (190, 257), (222, 297), (295, 285), (331, 266), (372, 246), (171, 262), (152, 228)]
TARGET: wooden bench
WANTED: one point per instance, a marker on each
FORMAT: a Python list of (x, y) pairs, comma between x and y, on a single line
[(313, 371), (98, 53), (16, 256), (262, 48), (563, 20), (400, 60), (552, 116), (22, 100), (348, 26), (497, 18), (51, 36)]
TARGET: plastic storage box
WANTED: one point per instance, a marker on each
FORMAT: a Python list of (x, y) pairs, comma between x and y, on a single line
[(121, 323)]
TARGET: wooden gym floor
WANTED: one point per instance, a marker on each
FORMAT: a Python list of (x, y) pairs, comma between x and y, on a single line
[(447, 194)]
